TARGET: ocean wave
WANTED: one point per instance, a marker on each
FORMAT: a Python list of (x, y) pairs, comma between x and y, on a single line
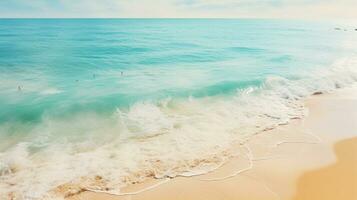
[(168, 138)]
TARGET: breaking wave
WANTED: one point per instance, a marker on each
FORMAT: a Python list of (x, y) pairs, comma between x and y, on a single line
[(168, 138)]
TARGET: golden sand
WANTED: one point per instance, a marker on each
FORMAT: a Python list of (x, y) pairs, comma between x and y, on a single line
[(333, 182)]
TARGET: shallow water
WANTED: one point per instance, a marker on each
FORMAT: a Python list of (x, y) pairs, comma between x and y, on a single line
[(131, 98)]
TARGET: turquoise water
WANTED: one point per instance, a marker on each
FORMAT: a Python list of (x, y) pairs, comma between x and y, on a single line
[(99, 87), (76, 64)]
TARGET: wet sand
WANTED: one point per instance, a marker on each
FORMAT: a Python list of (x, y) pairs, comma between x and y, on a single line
[(304, 160)]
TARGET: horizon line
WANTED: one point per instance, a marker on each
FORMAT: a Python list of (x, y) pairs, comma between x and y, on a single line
[(151, 18)]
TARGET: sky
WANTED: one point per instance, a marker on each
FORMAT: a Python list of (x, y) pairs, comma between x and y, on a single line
[(299, 9)]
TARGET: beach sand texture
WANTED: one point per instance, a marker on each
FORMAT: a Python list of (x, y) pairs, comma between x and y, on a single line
[(336, 181)]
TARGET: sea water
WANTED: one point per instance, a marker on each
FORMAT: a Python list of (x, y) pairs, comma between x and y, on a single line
[(128, 99)]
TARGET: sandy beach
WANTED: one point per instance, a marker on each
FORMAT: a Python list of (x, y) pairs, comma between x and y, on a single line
[(178, 100), (187, 107), (311, 158)]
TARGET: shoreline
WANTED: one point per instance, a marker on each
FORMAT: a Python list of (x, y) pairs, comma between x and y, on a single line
[(294, 155)]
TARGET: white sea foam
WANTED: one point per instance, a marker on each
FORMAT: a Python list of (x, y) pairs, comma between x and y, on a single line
[(165, 139)]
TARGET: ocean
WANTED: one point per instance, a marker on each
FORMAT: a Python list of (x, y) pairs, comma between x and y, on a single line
[(130, 99)]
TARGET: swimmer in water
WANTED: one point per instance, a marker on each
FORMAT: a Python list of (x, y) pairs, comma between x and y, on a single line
[(122, 73), (19, 88)]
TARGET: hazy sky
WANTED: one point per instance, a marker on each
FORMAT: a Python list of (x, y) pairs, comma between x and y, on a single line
[(310, 9)]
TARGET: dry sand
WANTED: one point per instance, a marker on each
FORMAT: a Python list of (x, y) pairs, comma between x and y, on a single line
[(300, 168), (336, 181)]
